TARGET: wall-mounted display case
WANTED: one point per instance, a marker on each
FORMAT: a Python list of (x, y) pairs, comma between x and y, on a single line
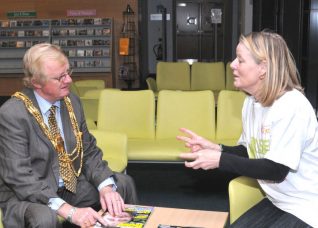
[(86, 41)]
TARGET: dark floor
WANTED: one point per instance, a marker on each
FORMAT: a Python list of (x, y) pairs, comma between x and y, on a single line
[(173, 185)]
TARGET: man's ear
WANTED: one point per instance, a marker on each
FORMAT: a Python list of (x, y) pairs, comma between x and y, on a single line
[(35, 83)]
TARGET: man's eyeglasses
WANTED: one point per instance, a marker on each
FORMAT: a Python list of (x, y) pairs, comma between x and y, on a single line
[(63, 76)]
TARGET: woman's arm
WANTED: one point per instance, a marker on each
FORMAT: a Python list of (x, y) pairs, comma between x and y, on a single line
[(264, 169), (239, 150)]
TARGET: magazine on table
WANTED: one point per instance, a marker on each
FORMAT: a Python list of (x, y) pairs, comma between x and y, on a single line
[(172, 226), (134, 216)]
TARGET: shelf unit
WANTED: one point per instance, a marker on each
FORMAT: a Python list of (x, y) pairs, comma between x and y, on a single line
[(86, 41), (16, 36)]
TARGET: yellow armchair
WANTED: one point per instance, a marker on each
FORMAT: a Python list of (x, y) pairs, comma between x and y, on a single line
[(189, 109), (208, 76), (229, 79), (90, 101), (114, 147), (74, 89), (152, 85), (91, 84), (173, 76), (229, 117), (1, 224), (131, 113), (244, 192), (128, 112), (91, 124), (89, 91), (194, 110)]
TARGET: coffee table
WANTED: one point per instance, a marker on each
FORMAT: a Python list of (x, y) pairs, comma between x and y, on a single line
[(186, 217)]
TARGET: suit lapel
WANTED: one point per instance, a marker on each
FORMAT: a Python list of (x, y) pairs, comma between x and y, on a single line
[(69, 137), (69, 140), (29, 93)]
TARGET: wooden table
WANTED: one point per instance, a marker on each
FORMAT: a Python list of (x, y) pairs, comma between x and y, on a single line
[(185, 217)]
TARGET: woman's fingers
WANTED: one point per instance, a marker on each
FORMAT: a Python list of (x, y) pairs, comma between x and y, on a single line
[(188, 132)]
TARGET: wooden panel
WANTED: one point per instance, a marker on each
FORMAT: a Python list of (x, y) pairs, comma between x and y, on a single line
[(50, 8), (9, 85)]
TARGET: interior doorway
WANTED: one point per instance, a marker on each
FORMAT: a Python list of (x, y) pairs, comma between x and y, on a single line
[(199, 30)]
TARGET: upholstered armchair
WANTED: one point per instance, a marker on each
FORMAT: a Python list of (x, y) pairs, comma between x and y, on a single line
[(244, 192)]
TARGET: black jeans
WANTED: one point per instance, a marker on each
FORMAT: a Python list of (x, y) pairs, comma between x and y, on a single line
[(265, 215)]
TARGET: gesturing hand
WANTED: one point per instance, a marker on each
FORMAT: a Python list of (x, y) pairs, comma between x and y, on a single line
[(204, 159), (196, 142)]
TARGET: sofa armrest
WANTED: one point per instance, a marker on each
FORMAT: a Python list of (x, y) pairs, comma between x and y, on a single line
[(114, 147), (244, 192)]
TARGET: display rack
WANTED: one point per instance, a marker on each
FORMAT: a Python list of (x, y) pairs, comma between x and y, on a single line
[(127, 48), (16, 36), (86, 41)]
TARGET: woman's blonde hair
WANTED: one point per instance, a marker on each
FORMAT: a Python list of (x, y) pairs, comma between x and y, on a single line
[(281, 71), (35, 57)]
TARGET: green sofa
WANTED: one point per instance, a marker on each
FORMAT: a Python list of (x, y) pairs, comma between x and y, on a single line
[(151, 127)]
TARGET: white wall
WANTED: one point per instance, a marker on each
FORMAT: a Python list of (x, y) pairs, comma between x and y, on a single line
[(247, 16)]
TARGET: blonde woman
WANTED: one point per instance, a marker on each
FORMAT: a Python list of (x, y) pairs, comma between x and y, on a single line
[(279, 141)]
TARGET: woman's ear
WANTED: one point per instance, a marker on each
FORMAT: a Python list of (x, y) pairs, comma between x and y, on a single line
[(262, 69)]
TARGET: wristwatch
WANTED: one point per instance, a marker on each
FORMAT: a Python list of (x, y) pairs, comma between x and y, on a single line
[(70, 214)]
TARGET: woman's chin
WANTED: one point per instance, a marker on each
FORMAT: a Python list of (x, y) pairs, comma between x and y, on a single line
[(236, 85)]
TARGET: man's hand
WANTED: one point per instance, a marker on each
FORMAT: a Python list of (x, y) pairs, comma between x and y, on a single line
[(83, 217), (111, 201)]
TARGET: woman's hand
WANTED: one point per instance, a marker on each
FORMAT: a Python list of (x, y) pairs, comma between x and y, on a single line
[(196, 142), (202, 159)]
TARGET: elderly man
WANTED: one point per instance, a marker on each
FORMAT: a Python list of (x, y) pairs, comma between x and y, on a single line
[(49, 162)]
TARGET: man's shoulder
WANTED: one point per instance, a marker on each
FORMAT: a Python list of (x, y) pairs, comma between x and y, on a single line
[(11, 103), (15, 105), (74, 98), (13, 108)]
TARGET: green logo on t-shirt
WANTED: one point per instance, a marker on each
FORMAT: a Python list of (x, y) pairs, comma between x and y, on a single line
[(258, 147)]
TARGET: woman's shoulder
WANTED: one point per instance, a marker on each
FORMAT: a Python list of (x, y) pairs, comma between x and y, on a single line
[(293, 98), (293, 102)]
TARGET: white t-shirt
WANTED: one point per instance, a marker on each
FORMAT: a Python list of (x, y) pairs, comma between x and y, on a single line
[(286, 133)]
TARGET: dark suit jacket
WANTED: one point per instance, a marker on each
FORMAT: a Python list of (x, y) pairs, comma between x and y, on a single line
[(28, 162)]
